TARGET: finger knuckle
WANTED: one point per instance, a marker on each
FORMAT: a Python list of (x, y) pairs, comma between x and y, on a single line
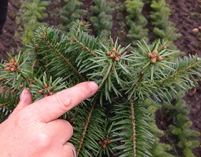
[(42, 140)]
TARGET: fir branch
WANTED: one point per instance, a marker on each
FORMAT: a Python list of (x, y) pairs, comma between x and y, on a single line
[(66, 60), (195, 64), (84, 47), (133, 123), (85, 128)]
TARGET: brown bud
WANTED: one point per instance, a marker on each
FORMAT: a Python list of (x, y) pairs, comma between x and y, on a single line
[(71, 41), (7, 64), (154, 59), (12, 69), (102, 138), (36, 45), (160, 58), (155, 51), (109, 142), (103, 74), (100, 142), (155, 54), (164, 46), (150, 55), (83, 48), (112, 69), (41, 91), (51, 88), (104, 146), (34, 48), (112, 56), (32, 64), (114, 49), (120, 53), (34, 80), (116, 59), (46, 86), (15, 64), (11, 64), (12, 60), (108, 53), (50, 93), (45, 95), (30, 83), (137, 83)]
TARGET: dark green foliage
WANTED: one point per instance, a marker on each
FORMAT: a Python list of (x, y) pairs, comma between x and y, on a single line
[(101, 17), (163, 28), (31, 13), (131, 129), (136, 21), (71, 12), (187, 138), (158, 149), (114, 120)]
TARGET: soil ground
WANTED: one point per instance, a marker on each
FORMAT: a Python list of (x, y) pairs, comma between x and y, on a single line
[(186, 15)]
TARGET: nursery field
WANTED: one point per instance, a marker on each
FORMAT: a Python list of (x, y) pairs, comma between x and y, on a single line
[(184, 34)]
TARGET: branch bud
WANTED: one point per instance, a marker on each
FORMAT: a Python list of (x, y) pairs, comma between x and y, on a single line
[(160, 58), (41, 91), (116, 59), (154, 59), (8, 68), (12, 69), (112, 56), (12, 60), (7, 64), (15, 64), (109, 142), (46, 86), (114, 49), (108, 53), (150, 55)]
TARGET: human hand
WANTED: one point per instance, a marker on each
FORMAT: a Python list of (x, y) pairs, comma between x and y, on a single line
[(34, 130)]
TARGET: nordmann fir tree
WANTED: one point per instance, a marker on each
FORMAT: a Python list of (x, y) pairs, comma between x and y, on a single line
[(114, 120), (136, 21), (163, 28), (100, 17), (71, 12), (33, 11), (187, 139)]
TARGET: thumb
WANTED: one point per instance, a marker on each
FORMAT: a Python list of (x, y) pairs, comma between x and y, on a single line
[(25, 100)]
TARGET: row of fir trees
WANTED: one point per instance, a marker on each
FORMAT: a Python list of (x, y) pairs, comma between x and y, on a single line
[(120, 119)]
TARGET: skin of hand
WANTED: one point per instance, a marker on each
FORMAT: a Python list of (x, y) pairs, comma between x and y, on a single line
[(34, 130)]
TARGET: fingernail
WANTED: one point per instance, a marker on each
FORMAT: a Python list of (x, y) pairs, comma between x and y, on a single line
[(93, 86), (23, 93)]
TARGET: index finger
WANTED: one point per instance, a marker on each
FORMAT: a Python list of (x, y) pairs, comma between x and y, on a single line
[(52, 107)]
